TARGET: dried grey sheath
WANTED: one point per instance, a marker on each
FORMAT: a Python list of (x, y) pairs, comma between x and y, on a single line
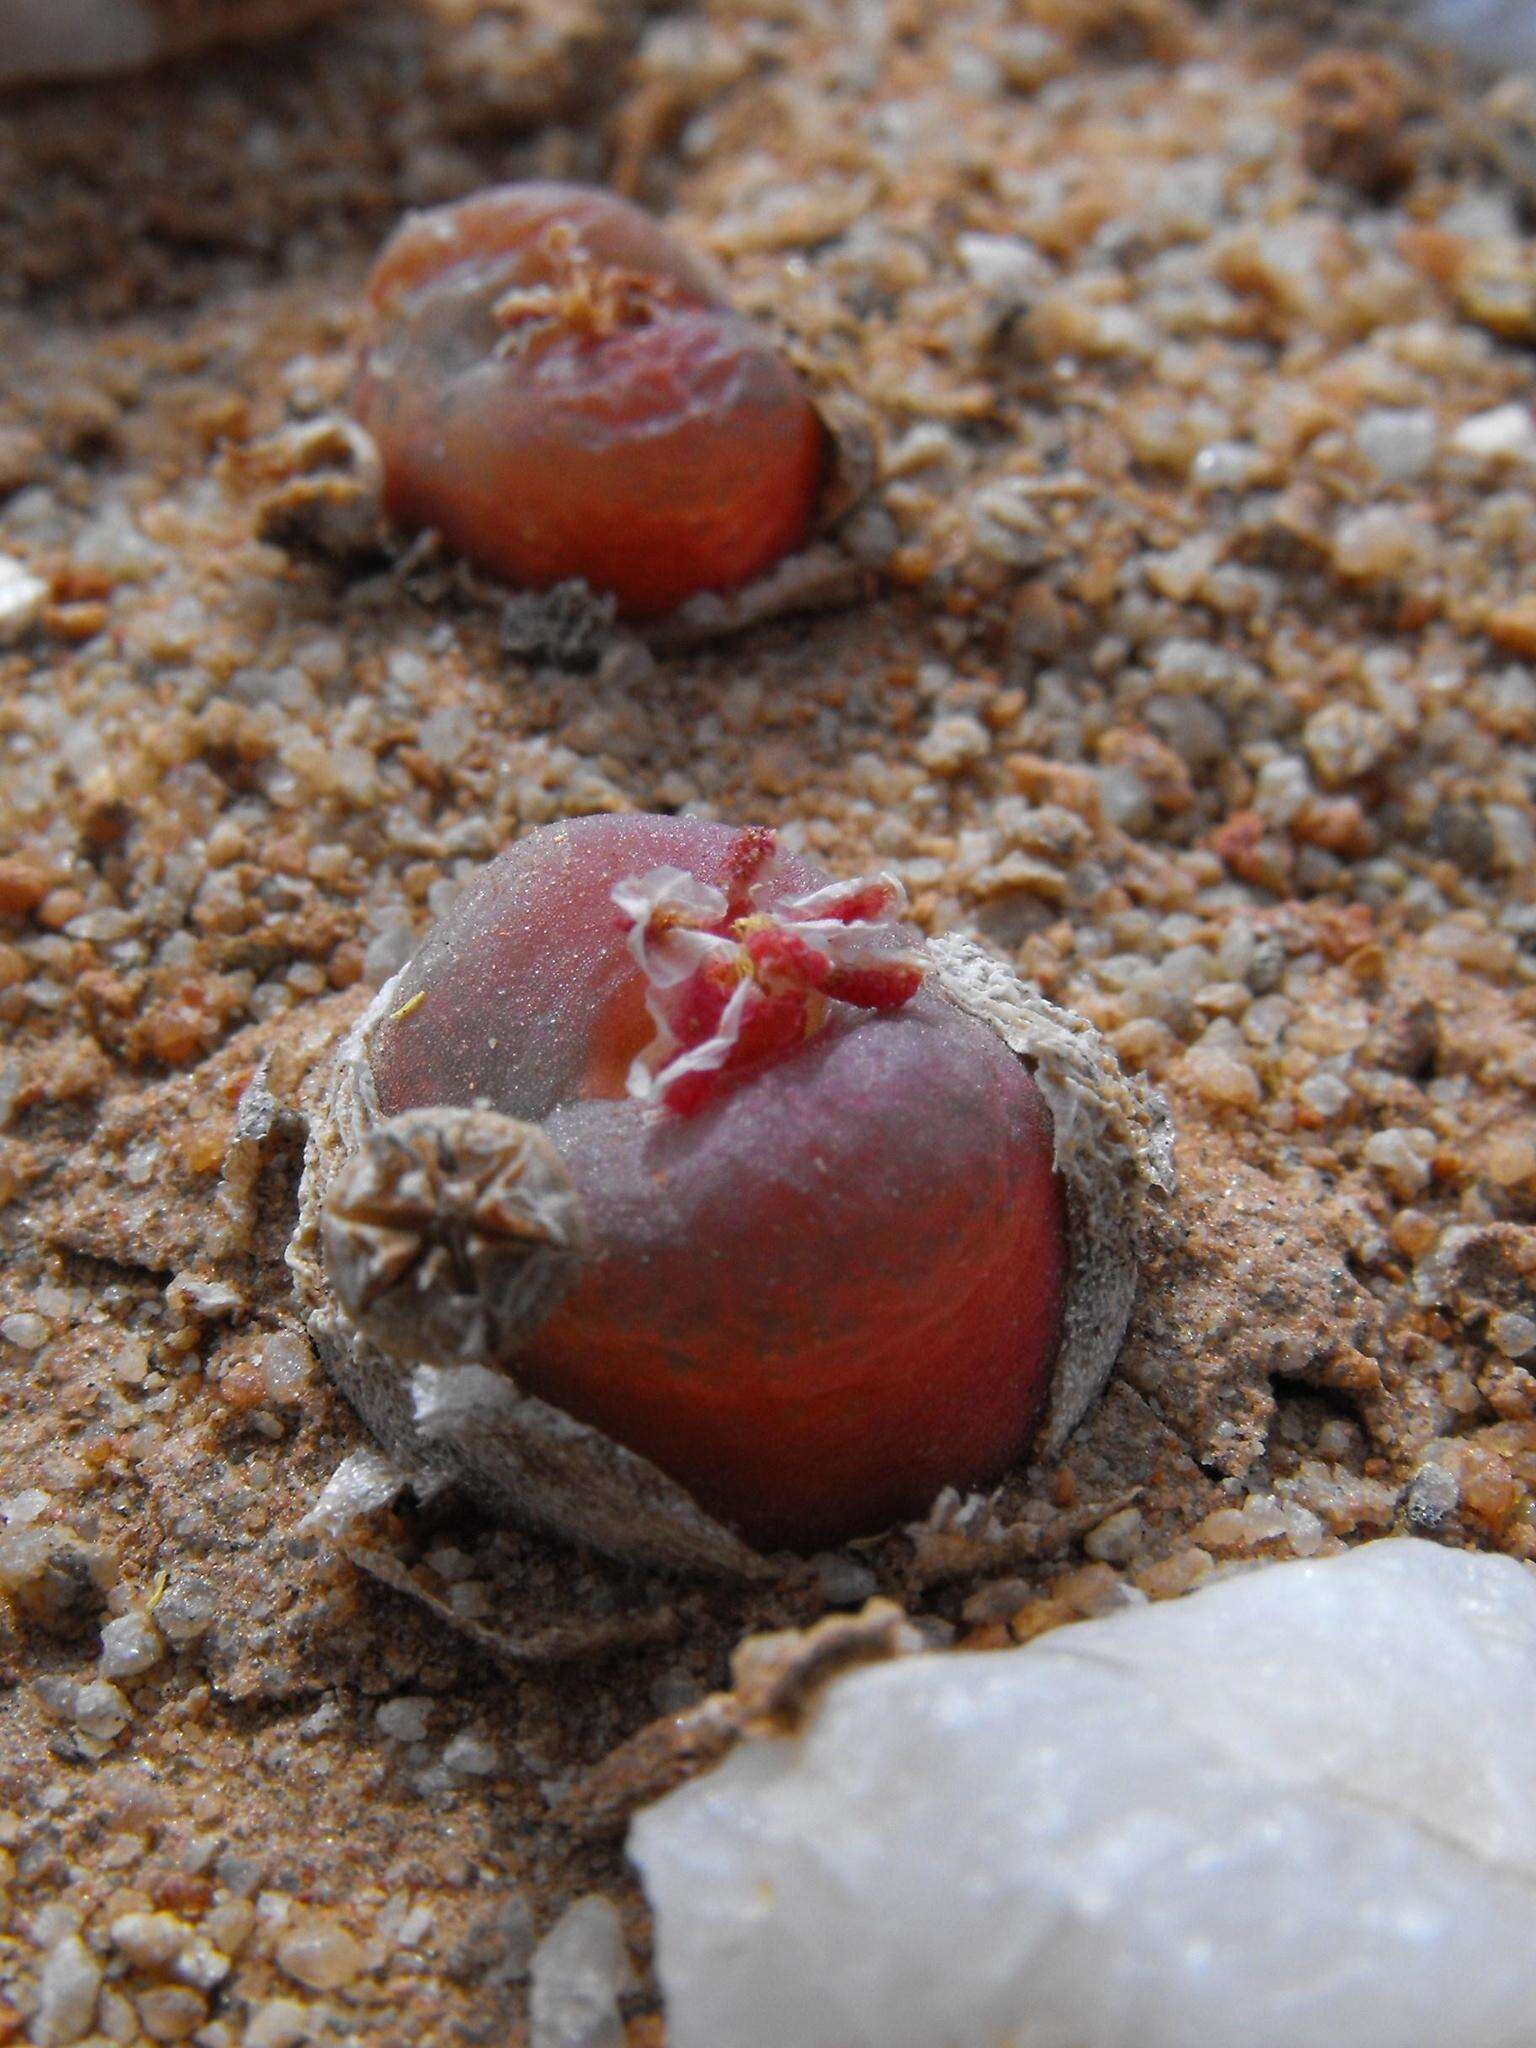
[(1114, 1152)]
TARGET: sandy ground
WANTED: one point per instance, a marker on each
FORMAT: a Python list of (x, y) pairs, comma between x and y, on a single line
[(1193, 669)]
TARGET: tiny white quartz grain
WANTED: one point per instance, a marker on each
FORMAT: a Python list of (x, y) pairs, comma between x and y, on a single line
[(26, 1331), (1512, 1333), (130, 1646), (279, 2023), (471, 1756), (67, 1993), (1508, 430), (21, 1510), (22, 597), (363, 1481), (405, 1718), (952, 744), (1003, 265), (580, 1971), (1398, 442), (1298, 1806), (287, 1366)]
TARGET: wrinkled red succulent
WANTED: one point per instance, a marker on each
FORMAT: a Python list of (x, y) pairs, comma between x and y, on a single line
[(560, 389), (825, 1246)]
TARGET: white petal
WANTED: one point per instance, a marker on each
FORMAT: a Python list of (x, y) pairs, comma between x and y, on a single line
[(860, 945), (671, 889), (678, 949), (650, 1083), (824, 903)]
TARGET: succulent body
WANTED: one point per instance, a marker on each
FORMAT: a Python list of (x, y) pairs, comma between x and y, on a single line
[(560, 390), (717, 1161)]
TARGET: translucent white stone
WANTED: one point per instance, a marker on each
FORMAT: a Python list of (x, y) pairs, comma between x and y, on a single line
[(363, 1481), (129, 1646), (67, 1991), (580, 1971), (404, 1719), (1003, 264), (1399, 443), (1298, 1806), (1506, 430), (100, 1710), (471, 1756), (22, 597)]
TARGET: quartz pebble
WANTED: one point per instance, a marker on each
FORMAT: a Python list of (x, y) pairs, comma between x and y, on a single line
[(150, 1940), (580, 1970), (1223, 1080), (1513, 1334), (98, 1709), (953, 744), (185, 1610), (1397, 442), (1116, 1539), (471, 1756), (1433, 1495), (319, 1954), (67, 1992), (1298, 1806), (404, 1719), (1002, 265), (25, 1330), (171, 2012), (1507, 430), (1404, 1157), (130, 1646), (279, 2023), (1381, 541), (510, 1939), (22, 597), (287, 1366)]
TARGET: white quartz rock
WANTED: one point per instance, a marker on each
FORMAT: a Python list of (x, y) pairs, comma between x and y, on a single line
[(1298, 1807)]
